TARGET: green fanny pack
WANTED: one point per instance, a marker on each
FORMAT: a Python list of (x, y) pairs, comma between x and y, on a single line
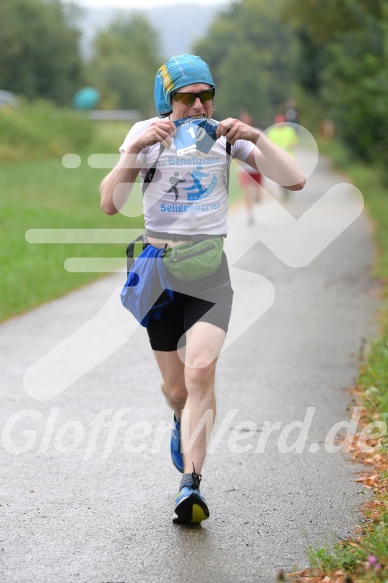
[(194, 260)]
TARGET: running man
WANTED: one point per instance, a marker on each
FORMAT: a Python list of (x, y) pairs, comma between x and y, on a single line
[(190, 333)]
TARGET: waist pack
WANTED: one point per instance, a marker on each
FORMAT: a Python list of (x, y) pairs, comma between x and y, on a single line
[(194, 260), (147, 290)]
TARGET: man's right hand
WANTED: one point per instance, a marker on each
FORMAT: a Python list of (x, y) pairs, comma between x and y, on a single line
[(160, 130)]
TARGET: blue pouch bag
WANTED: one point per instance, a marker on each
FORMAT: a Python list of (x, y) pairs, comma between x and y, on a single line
[(147, 290)]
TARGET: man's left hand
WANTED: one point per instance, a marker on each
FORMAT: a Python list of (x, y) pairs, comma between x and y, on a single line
[(234, 129)]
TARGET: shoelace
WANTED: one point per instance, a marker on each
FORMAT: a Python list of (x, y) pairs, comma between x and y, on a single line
[(196, 478)]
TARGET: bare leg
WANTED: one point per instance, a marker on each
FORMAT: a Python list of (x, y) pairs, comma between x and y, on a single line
[(189, 389), (251, 196), (173, 384), (249, 203), (204, 343)]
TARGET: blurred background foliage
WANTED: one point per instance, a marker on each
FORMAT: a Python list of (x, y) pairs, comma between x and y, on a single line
[(342, 69), (41, 130), (252, 54), (125, 60), (329, 56), (39, 55)]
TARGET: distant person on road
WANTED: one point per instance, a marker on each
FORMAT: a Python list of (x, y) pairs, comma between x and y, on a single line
[(250, 179), (326, 129), (189, 334), (292, 112), (283, 135)]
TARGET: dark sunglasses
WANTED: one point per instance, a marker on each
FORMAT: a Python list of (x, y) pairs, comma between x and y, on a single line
[(189, 98)]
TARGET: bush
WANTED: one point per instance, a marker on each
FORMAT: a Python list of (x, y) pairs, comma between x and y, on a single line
[(39, 130)]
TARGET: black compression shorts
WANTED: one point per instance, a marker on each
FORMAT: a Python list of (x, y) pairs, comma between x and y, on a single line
[(204, 300)]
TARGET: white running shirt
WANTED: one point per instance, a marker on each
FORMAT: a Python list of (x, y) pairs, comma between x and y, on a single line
[(188, 194)]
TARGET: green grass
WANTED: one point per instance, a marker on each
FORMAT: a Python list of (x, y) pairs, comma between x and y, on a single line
[(374, 380), (341, 556), (42, 194), (353, 556), (39, 130)]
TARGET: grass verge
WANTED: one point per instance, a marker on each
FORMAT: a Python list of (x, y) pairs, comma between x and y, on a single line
[(40, 130), (364, 557), (43, 194)]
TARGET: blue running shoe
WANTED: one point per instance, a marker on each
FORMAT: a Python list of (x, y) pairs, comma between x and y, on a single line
[(191, 506), (175, 445)]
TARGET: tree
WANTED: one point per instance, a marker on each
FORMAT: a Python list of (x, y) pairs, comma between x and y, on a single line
[(39, 54), (343, 61), (243, 92), (251, 54), (124, 64)]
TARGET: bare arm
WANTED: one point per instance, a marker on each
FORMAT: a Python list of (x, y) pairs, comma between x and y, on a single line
[(266, 157), (118, 184)]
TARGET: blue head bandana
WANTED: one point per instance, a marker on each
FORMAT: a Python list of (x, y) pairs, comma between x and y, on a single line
[(176, 73)]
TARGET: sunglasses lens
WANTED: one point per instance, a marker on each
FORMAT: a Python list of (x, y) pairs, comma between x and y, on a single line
[(185, 98), (189, 98), (206, 95)]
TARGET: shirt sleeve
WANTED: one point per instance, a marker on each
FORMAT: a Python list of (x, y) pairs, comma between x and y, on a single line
[(242, 149), (135, 130)]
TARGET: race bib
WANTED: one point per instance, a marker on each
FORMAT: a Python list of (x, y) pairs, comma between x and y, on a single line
[(194, 135)]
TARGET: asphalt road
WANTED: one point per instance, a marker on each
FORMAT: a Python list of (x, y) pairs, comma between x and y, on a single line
[(86, 503)]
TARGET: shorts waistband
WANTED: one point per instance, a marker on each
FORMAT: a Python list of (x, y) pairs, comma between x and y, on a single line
[(180, 237)]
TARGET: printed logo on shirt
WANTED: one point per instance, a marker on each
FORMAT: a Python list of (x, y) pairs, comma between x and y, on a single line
[(193, 161), (187, 208), (200, 186), (197, 190), (174, 181)]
